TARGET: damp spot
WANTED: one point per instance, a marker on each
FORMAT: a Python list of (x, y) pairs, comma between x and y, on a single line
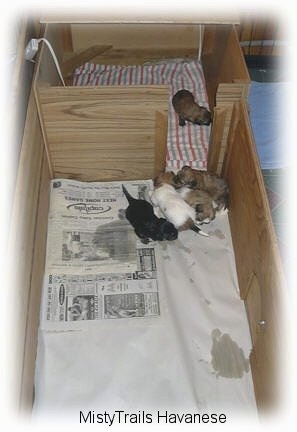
[(217, 233), (182, 247), (163, 245), (228, 358), (200, 294)]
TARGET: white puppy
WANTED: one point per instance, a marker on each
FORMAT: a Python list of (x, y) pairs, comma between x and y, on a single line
[(172, 205)]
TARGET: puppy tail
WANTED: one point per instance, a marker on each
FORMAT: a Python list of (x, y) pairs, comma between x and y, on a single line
[(198, 230), (127, 195)]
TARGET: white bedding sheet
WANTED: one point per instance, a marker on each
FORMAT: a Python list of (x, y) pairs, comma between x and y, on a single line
[(192, 358)]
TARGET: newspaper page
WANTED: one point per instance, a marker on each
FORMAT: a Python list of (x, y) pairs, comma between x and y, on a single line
[(88, 231), (96, 267)]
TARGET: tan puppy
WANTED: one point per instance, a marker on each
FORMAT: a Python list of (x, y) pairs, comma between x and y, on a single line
[(172, 205), (214, 185), (188, 110), (201, 201)]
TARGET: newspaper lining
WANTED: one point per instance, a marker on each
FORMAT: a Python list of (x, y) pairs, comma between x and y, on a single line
[(96, 267)]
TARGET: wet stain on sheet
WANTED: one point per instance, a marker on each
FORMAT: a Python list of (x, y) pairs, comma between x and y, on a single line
[(228, 359), (163, 245), (200, 294), (164, 248), (181, 246), (176, 243), (217, 233)]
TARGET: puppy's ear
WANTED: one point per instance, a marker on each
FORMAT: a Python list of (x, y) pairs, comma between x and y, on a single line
[(169, 232), (156, 181)]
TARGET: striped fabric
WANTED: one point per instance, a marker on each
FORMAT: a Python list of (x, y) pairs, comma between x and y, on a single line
[(186, 145)]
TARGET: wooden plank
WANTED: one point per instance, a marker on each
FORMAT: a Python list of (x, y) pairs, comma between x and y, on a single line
[(218, 139), (222, 60), (256, 254), (82, 57), (214, 150), (95, 141), (37, 274), (160, 142), (101, 93), (94, 130), (66, 35), (107, 172), (253, 31), (43, 129), (254, 308), (187, 16), (109, 157), (136, 36), (140, 56), (21, 252), (132, 44)]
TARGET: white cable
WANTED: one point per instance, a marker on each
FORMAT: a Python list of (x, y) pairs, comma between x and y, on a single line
[(31, 51), (54, 58)]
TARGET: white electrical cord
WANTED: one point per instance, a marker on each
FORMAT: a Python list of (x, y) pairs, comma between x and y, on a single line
[(32, 49)]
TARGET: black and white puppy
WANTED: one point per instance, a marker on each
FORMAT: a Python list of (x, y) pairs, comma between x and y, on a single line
[(140, 214)]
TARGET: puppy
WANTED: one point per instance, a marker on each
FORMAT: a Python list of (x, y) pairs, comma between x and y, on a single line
[(140, 214), (188, 110), (214, 185), (172, 205), (201, 201)]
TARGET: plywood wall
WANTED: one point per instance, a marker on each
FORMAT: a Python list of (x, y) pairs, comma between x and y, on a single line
[(136, 43), (26, 256), (105, 133), (261, 35), (259, 269)]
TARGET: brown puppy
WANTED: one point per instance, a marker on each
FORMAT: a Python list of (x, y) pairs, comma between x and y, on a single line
[(166, 177), (188, 110), (201, 201), (214, 185)]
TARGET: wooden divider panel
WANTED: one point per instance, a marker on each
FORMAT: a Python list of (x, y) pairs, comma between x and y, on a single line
[(258, 264), (26, 257), (104, 133)]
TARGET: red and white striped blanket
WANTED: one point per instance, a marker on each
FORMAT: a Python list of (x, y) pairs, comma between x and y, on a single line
[(186, 145)]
